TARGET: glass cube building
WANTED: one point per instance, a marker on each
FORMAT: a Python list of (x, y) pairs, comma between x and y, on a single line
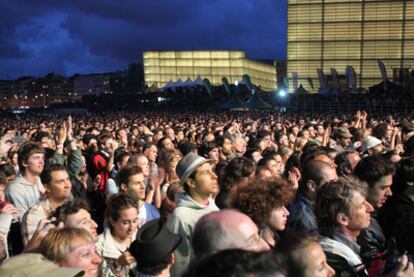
[(160, 67), (336, 33)]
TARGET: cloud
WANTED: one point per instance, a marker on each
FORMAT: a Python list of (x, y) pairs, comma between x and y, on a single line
[(76, 36)]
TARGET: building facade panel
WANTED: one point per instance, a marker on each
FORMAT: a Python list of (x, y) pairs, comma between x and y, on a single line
[(337, 33), (342, 12), (162, 67)]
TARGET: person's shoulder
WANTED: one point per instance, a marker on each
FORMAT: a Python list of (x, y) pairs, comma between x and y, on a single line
[(16, 187), (100, 243), (340, 264), (178, 217), (173, 221), (189, 216), (33, 213), (97, 156), (17, 182), (183, 210), (35, 209), (298, 207), (176, 214), (151, 208)]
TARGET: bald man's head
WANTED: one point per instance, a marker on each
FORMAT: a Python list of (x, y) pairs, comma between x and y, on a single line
[(318, 173), (227, 229)]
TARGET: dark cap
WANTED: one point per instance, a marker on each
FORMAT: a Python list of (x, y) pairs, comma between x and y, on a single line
[(87, 138), (154, 242)]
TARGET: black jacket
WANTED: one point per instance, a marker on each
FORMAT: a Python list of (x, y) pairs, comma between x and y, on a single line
[(342, 267), (372, 241), (403, 227)]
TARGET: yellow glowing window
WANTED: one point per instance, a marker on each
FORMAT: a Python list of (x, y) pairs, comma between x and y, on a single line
[(219, 54), (184, 55)]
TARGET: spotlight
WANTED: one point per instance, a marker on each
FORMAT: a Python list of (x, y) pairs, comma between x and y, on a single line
[(282, 93)]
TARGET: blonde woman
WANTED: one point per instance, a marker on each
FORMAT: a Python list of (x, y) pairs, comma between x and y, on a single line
[(71, 247), (299, 144)]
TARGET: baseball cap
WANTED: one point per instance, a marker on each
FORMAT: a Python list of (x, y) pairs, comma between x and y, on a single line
[(370, 142)]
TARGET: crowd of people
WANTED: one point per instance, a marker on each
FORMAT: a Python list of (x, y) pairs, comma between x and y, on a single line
[(207, 194)]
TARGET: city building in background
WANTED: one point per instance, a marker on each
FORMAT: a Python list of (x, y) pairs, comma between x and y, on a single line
[(29, 92), (4, 90), (92, 84), (121, 82), (37, 92), (161, 67), (325, 34)]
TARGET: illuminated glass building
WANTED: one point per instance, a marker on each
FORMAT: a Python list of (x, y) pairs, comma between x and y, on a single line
[(162, 66), (335, 33)]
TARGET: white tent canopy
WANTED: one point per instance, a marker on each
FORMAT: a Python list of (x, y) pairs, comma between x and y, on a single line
[(187, 83), (198, 81), (170, 84), (179, 83)]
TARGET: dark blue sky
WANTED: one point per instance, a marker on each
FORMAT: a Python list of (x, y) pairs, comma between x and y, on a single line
[(84, 36)]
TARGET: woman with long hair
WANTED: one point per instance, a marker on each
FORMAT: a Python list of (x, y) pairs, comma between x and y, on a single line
[(113, 243)]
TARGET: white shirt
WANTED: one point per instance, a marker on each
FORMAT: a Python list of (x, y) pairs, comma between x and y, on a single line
[(142, 216)]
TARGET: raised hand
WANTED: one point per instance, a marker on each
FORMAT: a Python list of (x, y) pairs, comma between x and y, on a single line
[(69, 128), (404, 269), (10, 209), (294, 177), (62, 134), (44, 226), (327, 132), (364, 115), (96, 182)]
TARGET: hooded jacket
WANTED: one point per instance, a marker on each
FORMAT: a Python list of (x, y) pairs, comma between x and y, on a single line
[(182, 222), (23, 194)]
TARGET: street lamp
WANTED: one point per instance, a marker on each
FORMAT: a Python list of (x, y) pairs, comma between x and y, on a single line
[(44, 95)]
